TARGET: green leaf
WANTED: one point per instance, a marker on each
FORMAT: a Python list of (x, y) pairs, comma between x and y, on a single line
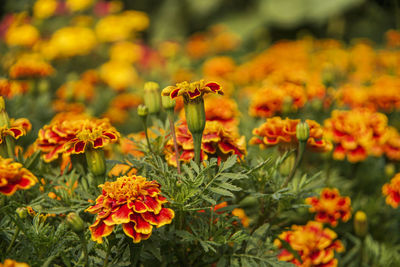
[(221, 191), (228, 163), (208, 199)]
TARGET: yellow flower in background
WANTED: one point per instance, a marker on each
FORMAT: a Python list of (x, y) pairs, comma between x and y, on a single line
[(136, 20), (125, 52), (73, 41), (13, 263), (44, 8), (23, 35), (118, 75), (78, 5)]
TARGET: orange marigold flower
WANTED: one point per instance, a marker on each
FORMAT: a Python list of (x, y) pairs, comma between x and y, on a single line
[(217, 141), (14, 177), (221, 66), (241, 214), (13, 263), (392, 145), (72, 134), (330, 206), (135, 203), (10, 88), (356, 133), (31, 66), (392, 191), (283, 132), (18, 128), (315, 245), (192, 90)]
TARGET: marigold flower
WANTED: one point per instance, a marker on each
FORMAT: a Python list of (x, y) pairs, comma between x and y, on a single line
[(283, 132), (13, 263), (30, 66), (392, 144), (13, 177), (73, 134), (392, 191), (43, 9), (315, 245), (192, 90), (118, 75), (217, 141), (330, 206), (219, 67), (126, 52), (18, 128), (78, 5), (135, 203), (21, 35), (356, 133), (9, 88), (241, 214)]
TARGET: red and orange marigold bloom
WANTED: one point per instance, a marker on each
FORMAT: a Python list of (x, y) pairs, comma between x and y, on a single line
[(217, 141), (392, 191), (73, 134), (392, 144), (18, 128), (315, 245), (14, 177), (192, 90), (330, 207), (135, 203), (356, 133), (276, 131), (30, 66)]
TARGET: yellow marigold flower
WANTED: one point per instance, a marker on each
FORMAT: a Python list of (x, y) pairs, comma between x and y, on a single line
[(330, 207), (392, 144), (126, 52), (315, 245), (241, 214), (135, 203), (392, 191), (43, 9), (192, 90), (356, 133), (73, 41), (23, 35), (217, 141), (73, 134), (17, 128), (13, 177), (278, 131), (118, 75), (122, 169), (30, 66), (13, 263), (78, 5)]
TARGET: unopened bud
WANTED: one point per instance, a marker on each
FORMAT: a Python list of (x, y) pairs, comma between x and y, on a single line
[(22, 212), (152, 97), (195, 116), (4, 119), (75, 222), (167, 102), (360, 223), (142, 111), (96, 161), (390, 170), (302, 131)]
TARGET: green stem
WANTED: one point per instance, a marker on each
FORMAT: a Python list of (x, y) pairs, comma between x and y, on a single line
[(144, 120), (197, 146), (105, 264), (10, 146), (3, 149), (172, 126), (84, 248), (300, 153), (16, 233)]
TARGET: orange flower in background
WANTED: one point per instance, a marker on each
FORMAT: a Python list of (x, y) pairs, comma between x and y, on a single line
[(192, 90), (393, 38), (30, 66), (18, 128), (392, 191), (356, 133), (220, 66), (276, 131), (330, 207), (315, 245), (217, 141), (13, 263), (78, 90), (135, 203), (9, 88), (13, 177), (241, 214), (392, 146), (72, 134)]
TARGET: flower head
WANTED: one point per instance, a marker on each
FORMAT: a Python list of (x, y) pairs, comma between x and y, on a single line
[(392, 191), (18, 128), (315, 245), (13, 263), (330, 207), (278, 131), (192, 90), (135, 203), (14, 177), (31, 66)]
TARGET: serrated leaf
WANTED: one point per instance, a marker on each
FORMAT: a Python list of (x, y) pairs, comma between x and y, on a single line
[(194, 166), (208, 199), (228, 163), (230, 187), (221, 191)]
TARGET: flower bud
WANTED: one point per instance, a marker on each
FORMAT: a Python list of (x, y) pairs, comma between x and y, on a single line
[(142, 111), (390, 170), (302, 131), (22, 212), (360, 223), (75, 222), (195, 116), (152, 97), (4, 119), (167, 103), (96, 161), (287, 165)]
